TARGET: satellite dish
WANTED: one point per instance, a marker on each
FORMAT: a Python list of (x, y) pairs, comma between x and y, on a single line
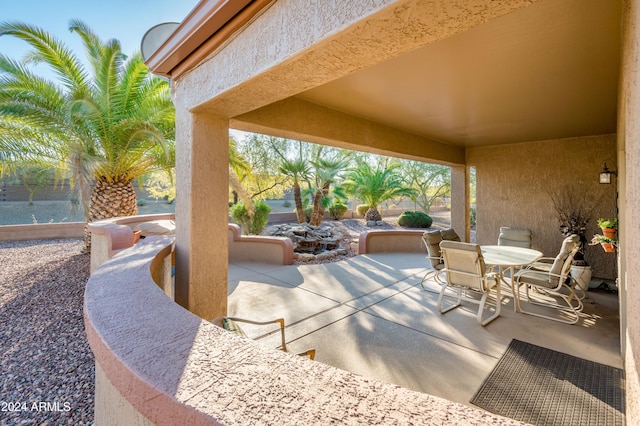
[(155, 37)]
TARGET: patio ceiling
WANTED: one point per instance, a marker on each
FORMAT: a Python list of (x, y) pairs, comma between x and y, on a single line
[(548, 71)]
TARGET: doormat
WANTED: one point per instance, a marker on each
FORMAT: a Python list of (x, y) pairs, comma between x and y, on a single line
[(544, 387)]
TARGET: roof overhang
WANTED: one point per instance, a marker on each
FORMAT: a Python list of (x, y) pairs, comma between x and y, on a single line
[(209, 25)]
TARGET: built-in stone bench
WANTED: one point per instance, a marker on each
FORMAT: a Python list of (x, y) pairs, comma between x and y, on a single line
[(391, 240), (256, 248), (110, 236), (156, 363)]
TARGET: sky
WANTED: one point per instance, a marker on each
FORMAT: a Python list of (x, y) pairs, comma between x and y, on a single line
[(125, 20)]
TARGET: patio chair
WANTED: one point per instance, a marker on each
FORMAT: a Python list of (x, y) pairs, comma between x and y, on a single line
[(231, 324), (431, 240), (552, 284), (466, 272), (515, 237), (449, 235)]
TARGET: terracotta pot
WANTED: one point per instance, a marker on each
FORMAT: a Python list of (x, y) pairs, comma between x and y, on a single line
[(608, 247), (609, 232)]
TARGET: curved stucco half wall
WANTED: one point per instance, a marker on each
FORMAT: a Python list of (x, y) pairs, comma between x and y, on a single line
[(157, 363)]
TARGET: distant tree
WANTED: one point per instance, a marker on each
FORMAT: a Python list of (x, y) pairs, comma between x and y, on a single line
[(429, 181), (161, 185), (376, 185), (107, 123), (33, 178)]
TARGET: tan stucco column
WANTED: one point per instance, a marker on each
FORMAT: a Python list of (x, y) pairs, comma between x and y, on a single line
[(629, 186), (202, 193), (460, 201)]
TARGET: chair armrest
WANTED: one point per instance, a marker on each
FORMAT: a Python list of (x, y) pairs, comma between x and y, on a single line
[(545, 260), (524, 272), (543, 264)]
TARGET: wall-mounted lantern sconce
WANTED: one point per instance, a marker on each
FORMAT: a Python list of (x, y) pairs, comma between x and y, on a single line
[(605, 174)]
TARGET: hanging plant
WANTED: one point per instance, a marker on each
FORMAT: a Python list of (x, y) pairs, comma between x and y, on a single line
[(607, 243), (608, 227)]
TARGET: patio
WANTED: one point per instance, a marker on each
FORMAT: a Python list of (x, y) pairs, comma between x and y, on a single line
[(369, 315)]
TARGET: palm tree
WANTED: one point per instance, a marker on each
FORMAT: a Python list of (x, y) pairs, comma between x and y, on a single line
[(326, 173), (297, 170), (106, 123), (376, 186)]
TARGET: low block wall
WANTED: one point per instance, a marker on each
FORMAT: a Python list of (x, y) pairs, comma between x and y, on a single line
[(254, 248), (383, 241), (156, 363), (42, 231), (110, 236)]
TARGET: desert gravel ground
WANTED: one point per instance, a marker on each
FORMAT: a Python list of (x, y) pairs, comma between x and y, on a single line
[(46, 365)]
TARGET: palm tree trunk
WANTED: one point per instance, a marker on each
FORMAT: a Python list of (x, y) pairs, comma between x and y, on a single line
[(373, 215), (318, 208), (297, 197), (317, 201), (110, 199)]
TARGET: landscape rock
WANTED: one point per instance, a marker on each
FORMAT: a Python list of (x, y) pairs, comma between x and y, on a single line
[(304, 257), (307, 238)]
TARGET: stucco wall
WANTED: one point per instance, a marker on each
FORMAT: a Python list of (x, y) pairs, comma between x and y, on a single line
[(513, 184), (629, 146)]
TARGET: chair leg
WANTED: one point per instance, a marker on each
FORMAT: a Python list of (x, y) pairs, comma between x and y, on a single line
[(573, 311), (436, 277), (441, 298), (482, 303)]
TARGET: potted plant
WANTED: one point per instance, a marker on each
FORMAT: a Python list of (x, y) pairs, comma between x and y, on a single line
[(608, 226), (575, 209), (607, 243)]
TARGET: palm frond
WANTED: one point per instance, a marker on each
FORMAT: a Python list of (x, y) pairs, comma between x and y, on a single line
[(48, 49)]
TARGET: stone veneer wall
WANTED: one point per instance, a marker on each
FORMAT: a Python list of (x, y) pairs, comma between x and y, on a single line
[(513, 184)]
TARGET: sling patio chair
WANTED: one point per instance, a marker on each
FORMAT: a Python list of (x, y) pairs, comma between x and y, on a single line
[(466, 273), (515, 237), (231, 324), (431, 240), (551, 287)]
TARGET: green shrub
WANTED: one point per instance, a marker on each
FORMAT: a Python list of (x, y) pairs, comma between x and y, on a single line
[(141, 202), (286, 204), (472, 217), (251, 225), (415, 219), (361, 209), (337, 210)]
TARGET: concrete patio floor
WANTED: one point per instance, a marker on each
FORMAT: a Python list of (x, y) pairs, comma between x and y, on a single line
[(369, 315)]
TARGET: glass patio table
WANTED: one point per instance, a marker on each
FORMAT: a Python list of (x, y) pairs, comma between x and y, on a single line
[(509, 257)]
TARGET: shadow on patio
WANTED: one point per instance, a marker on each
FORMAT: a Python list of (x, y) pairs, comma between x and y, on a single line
[(369, 315)]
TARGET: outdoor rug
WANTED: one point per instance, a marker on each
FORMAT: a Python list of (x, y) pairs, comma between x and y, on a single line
[(544, 387)]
